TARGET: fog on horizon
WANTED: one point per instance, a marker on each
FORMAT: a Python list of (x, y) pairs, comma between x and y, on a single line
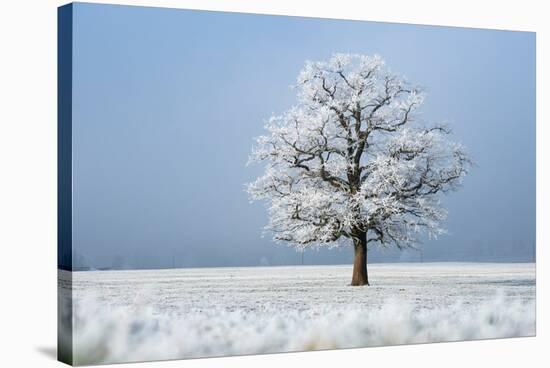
[(166, 104)]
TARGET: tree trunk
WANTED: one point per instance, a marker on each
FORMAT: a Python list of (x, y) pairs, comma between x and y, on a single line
[(360, 275)]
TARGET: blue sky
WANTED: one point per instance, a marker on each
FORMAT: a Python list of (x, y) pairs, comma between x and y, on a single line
[(166, 104)]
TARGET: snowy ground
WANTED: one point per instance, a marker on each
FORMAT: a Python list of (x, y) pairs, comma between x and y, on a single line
[(166, 314)]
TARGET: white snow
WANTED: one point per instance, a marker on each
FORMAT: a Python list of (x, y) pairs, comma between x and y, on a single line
[(124, 316)]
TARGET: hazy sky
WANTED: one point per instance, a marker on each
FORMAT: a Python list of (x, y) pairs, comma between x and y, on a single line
[(166, 104)]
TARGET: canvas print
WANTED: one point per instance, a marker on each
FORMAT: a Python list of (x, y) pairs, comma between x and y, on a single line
[(235, 184)]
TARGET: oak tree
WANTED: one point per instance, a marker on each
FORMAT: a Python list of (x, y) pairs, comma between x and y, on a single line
[(351, 162)]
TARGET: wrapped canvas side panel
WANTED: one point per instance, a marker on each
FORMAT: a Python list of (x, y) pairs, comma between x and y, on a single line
[(64, 183)]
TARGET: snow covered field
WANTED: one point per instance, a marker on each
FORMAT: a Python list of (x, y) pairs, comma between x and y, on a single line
[(123, 316)]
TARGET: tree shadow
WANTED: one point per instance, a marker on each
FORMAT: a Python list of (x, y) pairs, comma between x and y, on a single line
[(48, 351)]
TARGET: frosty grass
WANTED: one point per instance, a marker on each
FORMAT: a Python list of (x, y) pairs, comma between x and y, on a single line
[(121, 316)]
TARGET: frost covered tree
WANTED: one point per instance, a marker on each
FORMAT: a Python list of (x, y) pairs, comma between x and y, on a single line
[(352, 164)]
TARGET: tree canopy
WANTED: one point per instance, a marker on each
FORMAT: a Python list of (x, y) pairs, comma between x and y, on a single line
[(352, 157)]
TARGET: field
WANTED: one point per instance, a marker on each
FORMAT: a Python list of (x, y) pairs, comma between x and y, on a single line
[(122, 316)]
